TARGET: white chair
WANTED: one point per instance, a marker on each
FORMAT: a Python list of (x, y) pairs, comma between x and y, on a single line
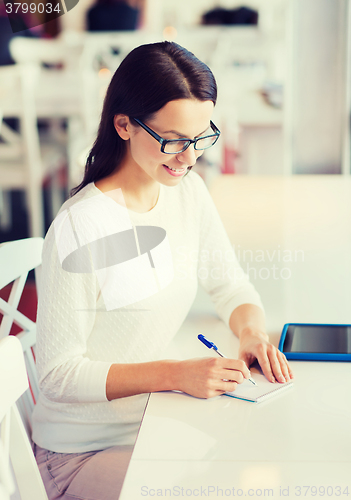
[(14, 440), (20, 160), (17, 258), (7, 486), (59, 93), (38, 50), (21, 157), (58, 90)]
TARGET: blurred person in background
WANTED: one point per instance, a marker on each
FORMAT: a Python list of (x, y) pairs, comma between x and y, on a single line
[(241, 16), (113, 15), (19, 26)]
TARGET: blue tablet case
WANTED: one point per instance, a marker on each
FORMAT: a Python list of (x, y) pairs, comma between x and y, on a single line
[(311, 356)]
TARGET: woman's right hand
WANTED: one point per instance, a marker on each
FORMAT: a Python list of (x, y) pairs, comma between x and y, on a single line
[(209, 377), (200, 377)]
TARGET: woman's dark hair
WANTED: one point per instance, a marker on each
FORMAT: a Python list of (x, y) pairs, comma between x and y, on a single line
[(147, 79)]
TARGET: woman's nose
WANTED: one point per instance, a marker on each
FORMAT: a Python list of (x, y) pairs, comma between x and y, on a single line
[(189, 156)]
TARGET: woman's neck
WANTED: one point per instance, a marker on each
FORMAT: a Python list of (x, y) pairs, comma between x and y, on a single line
[(139, 190)]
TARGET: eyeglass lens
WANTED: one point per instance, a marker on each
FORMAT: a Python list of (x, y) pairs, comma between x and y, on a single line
[(179, 146)]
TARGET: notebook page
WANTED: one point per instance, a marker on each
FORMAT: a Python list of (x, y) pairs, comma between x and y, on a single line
[(263, 390)]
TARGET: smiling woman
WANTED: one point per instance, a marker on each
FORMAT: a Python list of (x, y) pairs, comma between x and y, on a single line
[(150, 77), (111, 297), (148, 159)]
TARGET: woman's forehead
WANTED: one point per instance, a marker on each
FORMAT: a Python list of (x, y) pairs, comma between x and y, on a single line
[(186, 117)]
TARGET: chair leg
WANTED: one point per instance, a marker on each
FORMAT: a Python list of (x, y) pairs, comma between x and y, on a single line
[(26, 471), (57, 198), (5, 210), (35, 207)]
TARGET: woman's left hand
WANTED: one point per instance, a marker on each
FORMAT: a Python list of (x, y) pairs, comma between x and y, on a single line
[(255, 345)]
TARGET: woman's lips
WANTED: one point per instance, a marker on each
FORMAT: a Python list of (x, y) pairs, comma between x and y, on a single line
[(173, 173)]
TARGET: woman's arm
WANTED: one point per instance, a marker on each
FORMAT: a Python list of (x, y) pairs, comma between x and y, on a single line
[(202, 378), (248, 323), (67, 314), (236, 300), (205, 377)]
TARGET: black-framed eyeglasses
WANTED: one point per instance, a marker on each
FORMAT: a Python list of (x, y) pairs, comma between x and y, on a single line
[(175, 146)]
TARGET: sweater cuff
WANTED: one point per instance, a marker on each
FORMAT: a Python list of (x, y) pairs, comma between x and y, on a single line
[(225, 311), (92, 382)]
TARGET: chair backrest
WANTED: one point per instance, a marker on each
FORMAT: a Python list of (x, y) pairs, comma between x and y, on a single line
[(15, 444), (17, 258), (17, 89), (39, 50)]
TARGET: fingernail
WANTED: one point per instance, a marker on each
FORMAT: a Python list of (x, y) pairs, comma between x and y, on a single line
[(273, 380), (281, 378)]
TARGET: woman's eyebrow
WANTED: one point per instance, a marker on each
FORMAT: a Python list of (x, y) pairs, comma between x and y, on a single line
[(183, 135)]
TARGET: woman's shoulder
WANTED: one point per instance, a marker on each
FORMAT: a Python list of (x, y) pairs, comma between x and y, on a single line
[(64, 226), (90, 205), (81, 200), (87, 216)]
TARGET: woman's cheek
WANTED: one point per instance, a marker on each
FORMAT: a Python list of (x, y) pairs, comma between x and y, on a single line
[(143, 154)]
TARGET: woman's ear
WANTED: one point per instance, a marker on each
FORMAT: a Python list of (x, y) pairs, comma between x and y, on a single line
[(122, 126)]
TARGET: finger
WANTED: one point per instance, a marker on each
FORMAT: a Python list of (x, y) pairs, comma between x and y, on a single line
[(288, 367), (237, 365), (291, 374), (232, 375), (228, 386), (283, 365), (275, 364), (265, 365)]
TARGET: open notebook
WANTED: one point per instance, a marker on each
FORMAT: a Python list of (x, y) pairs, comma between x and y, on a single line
[(260, 392)]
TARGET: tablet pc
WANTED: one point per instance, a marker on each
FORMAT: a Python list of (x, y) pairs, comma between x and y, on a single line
[(316, 342)]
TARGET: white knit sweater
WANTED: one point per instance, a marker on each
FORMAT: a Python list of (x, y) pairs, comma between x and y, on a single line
[(88, 320)]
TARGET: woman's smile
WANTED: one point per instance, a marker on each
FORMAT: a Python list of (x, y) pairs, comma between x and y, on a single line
[(175, 172)]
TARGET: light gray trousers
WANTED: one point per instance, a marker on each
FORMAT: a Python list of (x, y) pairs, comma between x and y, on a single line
[(94, 475)]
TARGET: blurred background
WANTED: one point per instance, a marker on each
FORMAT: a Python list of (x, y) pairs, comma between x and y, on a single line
[(282, 68)]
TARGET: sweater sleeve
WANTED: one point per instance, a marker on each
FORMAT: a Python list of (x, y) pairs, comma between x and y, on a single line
[(65, 319), (219, 271)]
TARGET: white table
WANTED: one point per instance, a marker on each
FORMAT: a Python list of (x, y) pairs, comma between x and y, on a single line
[(301, 439)]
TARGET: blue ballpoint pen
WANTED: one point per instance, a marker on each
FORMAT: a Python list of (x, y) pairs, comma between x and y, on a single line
[(211, 345)]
